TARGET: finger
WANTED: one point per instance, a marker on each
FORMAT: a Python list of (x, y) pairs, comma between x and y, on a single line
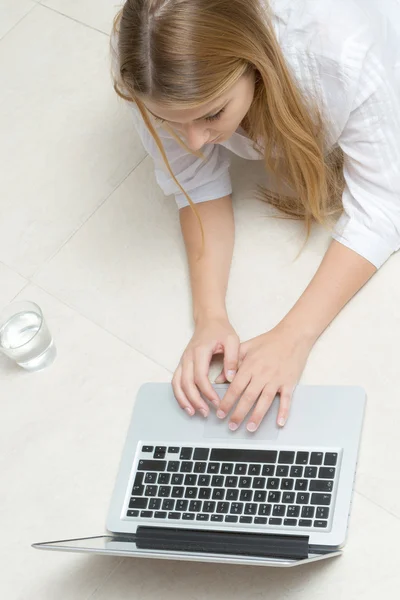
[(190, 390), (231, 357), (262, 407), (202, 361), (233, 393), (246, 402), (221, 377), (180, 394), (286, 394)]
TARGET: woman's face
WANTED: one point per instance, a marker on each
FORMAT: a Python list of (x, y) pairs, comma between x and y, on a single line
[(213, 122)]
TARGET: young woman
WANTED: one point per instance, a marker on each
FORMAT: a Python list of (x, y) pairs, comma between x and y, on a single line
[(312, 88)]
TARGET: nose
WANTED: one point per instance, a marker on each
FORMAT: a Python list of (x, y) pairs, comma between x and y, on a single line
[(196, 136)]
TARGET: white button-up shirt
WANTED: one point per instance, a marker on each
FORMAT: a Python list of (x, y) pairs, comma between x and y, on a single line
[(347, 52)]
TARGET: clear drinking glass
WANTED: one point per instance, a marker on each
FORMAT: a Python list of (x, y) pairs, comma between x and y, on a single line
[(25, 337)]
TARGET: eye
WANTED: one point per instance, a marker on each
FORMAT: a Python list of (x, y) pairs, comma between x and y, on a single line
[(216, 116)]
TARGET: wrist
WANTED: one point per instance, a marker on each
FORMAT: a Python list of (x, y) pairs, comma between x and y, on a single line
[(210, 313), (298, 331)]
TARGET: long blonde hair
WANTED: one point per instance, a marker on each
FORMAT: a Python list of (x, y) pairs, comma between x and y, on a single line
[(184, 53)]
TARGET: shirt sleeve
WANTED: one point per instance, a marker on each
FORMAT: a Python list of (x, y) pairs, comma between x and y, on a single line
[(370, 140), (203, 179)]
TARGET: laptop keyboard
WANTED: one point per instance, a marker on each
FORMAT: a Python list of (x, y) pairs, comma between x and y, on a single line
[(257, 488)]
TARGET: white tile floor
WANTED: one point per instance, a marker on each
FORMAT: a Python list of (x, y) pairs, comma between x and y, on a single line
[(86, 233)]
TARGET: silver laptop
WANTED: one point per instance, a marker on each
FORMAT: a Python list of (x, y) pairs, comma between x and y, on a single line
[(190, 489)]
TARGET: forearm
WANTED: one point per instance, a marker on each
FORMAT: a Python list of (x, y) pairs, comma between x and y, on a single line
[(340, 276), (209, 266)]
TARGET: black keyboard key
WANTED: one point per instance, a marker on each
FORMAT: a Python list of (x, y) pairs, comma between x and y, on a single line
[(232, 494), (217, 518), (259, 483), (173, 450), (246, 495), (161, 449), (217, 481), (209, 506), (160, 514), (321, 499), (191, 492), (302, 498), (310, 472), (285, 458), (301, 485), (195, 506), (174, 515), (222, 507), (231, 519), (305, 523), (200, 467), (260, 496), (288, 497), (203, 480), (296, 471), (331, 459), (272, 483), (173, 466), (186, 466), (241, 470), (275, 521), (321, 485), (252, 456), (186, 453), (264, 510), (160, 452), (244, 482), (188, 516), (227, 469), (290, 522), (231, 482), (316, 458), (139, 478), (168, 504), (177, 479), (181, 505), (279, 510), (260, 521), (150, 478), (326, 473), (164, 491), (146, 514), (138, 490), (302, 458), (204, 493), (322, 524), (150, 491), (236, 508), (202, 517), (132, 513), (147, 448), (246, 520), (293, 511), (254, 470), (282, 471), (250, 508), (191, 479), (287, 484), (268, 470), (322, 512), (274, 497), (307, 512), (201, 454), (152, 465), (177, 492), (218, 494), (213, 468), (138, 502), (155, 503)]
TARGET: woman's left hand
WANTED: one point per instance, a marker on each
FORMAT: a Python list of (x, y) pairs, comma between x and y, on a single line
[(269, 364)]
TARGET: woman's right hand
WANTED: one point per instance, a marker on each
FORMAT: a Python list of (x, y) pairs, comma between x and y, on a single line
[(211, 336)]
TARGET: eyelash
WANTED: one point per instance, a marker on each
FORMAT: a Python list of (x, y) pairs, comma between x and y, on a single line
[(209, 119)]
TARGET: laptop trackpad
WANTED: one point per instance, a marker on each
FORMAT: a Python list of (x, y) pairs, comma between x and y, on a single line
[(268, 430)]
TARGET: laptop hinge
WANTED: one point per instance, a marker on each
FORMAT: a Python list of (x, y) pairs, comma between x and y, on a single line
[(217, 542)]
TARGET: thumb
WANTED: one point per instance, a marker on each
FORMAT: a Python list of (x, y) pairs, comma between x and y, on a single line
[(231, 357)]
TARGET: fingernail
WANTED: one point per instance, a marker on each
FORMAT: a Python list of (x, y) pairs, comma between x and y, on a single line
[(203, 412), (230, 375), (233, 426), (281, 421), (221, 414), (251, 426), (189, 411)]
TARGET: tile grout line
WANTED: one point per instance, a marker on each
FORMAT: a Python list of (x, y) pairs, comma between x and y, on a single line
[(79, 227), (111, 573), (73, 19), (377, 505), (35, 5)]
